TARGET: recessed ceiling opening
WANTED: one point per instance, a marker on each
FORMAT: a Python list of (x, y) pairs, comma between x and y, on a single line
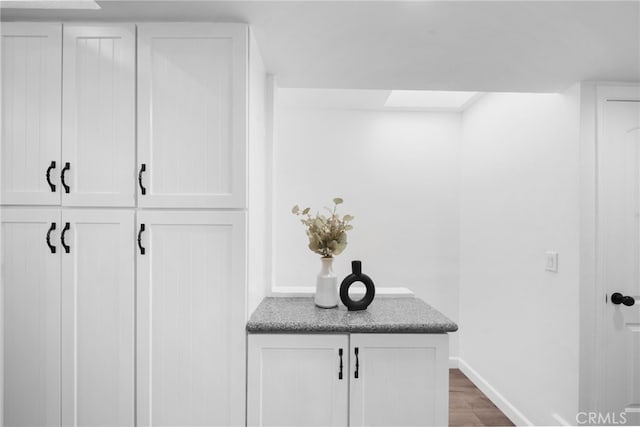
[(431, 99), (377, 100)]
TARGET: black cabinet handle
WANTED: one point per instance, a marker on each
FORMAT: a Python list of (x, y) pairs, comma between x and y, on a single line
[(618, 298), (51, 184), (51, 247), (66, 167), (142, 250), (357, 371), (143, 168), (66, 228), (340, 354)]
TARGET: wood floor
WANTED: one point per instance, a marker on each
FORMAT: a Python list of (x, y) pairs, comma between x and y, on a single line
[(468, 406)]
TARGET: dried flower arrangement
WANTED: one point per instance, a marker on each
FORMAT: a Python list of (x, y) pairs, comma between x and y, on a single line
[(327, 234)]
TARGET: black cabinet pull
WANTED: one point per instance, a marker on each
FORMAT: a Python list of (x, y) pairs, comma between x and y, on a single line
[(66, 228), (357, 371), (142, 227), (51, 247), (143, 168), (51, 184), (617, 298), (66, 167), (340, 354)]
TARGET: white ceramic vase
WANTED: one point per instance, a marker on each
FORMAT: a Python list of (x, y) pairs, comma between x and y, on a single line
[(326, 285)]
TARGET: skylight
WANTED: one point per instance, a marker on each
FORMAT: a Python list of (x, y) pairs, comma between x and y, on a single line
[(430, 99)]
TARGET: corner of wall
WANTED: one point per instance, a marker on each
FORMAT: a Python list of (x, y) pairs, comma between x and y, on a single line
[(507, 138), (258, 182), (588, 350)]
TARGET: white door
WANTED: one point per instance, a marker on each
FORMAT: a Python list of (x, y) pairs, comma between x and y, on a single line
[(192, 115), (98, 123), (98, 295), (31, 316), (619, 250), (298, 380), (399, 380), (191, 312), (31, 73)]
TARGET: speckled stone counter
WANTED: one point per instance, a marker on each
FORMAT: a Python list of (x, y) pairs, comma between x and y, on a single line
[(384, 315)]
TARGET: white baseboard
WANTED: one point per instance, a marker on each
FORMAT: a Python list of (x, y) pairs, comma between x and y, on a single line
[(453, 362), (308, 291), (561, 421), (498, 399)]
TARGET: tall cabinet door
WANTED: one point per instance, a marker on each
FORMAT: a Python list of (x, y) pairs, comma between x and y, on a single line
[(31, 316), (31, 82), (192, 115), (296, 380), (413, 366), (98, 297), (98, 132), (191, 308)]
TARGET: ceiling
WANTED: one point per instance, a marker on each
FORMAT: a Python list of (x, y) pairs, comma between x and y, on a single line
[(508, 46)]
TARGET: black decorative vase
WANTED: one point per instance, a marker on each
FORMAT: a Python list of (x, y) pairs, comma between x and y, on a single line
[(357, 276)]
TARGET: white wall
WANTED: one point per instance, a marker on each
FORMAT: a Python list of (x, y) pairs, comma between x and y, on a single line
[(258, 195), (398, 175), (520, 198), (460, 209)]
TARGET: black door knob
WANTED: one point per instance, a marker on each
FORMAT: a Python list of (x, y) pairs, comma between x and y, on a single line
[(618, 298)]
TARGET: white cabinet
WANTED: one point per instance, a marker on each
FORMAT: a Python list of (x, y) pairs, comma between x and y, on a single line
[(98, 296), (31, 317), (94, 165), (192, 115), (298, 380), (69, 323), (91, 337), (68, 125), (98, 132), (388, 379), (191, 291), (31, 99), (403, 380)]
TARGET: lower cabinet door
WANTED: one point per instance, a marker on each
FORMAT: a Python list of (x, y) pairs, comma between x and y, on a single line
[(191, 310), (98, 295), (30, 317), (399, 380), (298, 380)]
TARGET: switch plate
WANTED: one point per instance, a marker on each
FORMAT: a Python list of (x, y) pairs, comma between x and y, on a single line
[(552, 261)]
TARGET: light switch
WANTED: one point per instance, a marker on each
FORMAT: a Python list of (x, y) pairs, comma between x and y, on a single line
[(552, 261)]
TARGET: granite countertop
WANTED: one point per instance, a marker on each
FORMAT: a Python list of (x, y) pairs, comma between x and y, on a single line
[(384, 315)]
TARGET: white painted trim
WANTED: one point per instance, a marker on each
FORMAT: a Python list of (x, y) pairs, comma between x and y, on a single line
[(561, 421), (494, 395), (588, 292), (594, 358), (454, 362), (272, 134), (307, 291), (270, 101)]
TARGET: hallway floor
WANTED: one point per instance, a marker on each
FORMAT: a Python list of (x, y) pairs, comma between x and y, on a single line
[(468, 406)]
